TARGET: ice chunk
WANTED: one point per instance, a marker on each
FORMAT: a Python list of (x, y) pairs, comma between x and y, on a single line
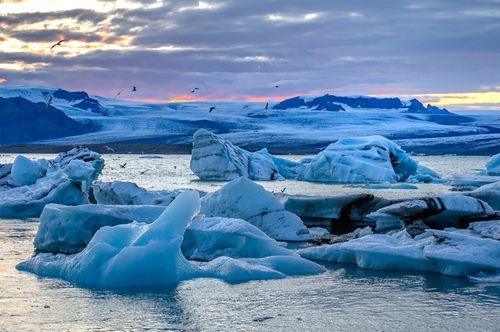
[(446, 252), (493, 165), (209, 238), (349, 160), (489, 193), (245, 199), (68, 229), (63, 180), (365, 159), (25, 172), (214, 158), (471, 182), (140, 255), (436, 212), (128, 193)]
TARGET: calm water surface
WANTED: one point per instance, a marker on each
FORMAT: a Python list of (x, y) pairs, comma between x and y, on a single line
[(343, 298)]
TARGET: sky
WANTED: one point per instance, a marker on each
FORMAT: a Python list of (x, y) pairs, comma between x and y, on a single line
[(443, 52)]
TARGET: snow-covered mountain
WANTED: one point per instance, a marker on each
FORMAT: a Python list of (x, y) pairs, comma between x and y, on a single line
[(299, 124)]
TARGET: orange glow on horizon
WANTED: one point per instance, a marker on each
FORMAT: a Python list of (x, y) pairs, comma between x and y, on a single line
[(2, 80)]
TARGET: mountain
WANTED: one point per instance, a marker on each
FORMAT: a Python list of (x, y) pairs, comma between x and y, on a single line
[(298, 125), (82, 98), (24, 121)]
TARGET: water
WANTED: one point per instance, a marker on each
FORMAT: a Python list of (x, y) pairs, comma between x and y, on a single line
[(343, 298)]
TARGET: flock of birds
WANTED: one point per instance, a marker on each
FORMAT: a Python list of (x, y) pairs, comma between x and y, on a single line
[(134, 88)]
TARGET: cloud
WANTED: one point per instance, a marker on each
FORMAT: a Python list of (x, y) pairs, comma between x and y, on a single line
[(238, 49)]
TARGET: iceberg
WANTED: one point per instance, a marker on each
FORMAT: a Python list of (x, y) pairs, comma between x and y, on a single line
[(141, 255), (370, 159), (129, 193), (448, 252), (489, 193), (209, 238), (493, 165), (364, 160), (436, 212), (244, 199), (214, 158), (27, 186)]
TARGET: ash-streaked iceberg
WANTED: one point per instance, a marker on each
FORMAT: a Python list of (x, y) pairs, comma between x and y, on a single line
[(349, 160), (141, 255), (27, 185), (436, 212), (450, 252)]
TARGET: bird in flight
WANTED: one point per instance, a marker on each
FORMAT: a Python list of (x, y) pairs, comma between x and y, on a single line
[(134, 88), (194, 90), (109, 148), (211, 109), (283, 190), (267, 106), (144, 172), (119, 93), (276, 86), (246, 106), (57, 44), (48, 102), (123, 165)]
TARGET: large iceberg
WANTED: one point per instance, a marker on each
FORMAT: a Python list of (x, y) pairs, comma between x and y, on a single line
[(493, 165), (349, 160), (489, 193), (247, 200), (141, 255), (450, 252), (436, 212), (214, 158), (27, 186), (365, 159)]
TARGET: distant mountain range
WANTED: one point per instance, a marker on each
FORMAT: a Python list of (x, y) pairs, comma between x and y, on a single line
[(298, 125)]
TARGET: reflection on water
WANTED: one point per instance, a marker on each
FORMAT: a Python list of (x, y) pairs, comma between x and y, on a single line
[(343, 298)]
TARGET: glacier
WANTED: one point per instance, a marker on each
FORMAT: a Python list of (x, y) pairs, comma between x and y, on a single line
[(141, 255), (349, 160)]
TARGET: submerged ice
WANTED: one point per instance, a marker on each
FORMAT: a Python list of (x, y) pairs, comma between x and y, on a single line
[(149, 255)]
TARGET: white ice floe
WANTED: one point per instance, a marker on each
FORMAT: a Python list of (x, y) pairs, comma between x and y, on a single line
[(141, 255), (247, 200), (470, 182), (30, 185), (493, 165), (128, 193), (436, 212), (448, 252), (349, 160)]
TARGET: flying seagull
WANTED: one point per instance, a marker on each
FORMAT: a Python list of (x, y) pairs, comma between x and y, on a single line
[(211, 109), (144, 172), (48, 102), (123, 165), (109, 148), (246, 106), (283, 190), (276, 86), (57, 44), (134, 88), (194, 90), (267, 106), (119, 93)]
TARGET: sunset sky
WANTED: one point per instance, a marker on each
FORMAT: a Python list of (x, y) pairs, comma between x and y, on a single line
[(444, 52)]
